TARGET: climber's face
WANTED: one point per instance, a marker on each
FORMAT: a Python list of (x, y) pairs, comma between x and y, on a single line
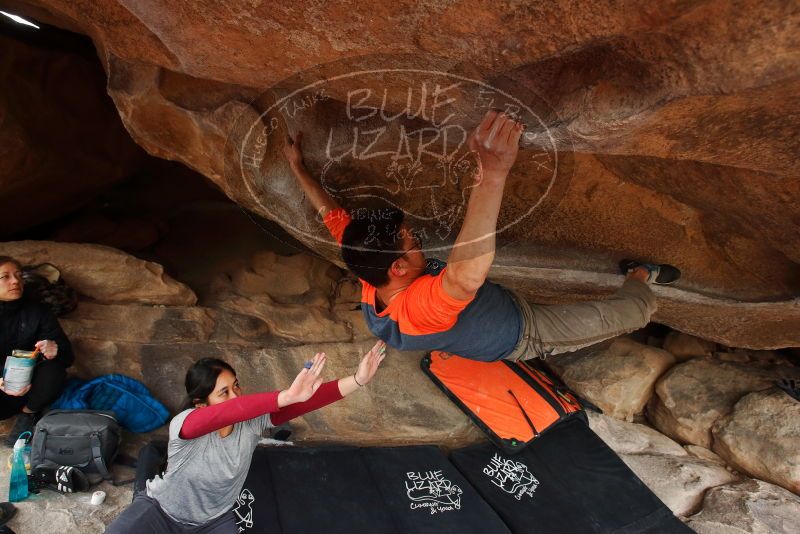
[(11, 283)]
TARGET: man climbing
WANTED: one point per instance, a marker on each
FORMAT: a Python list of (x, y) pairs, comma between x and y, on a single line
[(412, 304)]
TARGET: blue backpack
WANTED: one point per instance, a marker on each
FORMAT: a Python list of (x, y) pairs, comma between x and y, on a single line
[(129, 399)]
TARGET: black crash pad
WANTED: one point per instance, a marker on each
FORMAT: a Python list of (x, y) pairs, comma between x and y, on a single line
[(567, 480), (349, 490)]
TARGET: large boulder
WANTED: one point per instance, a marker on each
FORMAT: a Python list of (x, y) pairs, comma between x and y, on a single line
[(679, 479), (293, 322), (632, 438), (705, 454), (140, 323), (691, 396), (114, 338), (683, 346), (618, 378), (297, 279), (104, 274), (760, 437), (291, 295), (673, 126), (747, 507)]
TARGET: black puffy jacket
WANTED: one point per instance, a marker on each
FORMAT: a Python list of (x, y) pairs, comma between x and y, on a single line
[(23, 322)]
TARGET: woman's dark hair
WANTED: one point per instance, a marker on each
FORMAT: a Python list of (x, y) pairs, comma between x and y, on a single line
[(201, 379), (9, 259), (371, 242)]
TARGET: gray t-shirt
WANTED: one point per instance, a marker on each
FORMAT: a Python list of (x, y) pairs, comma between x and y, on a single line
[(205, 475)]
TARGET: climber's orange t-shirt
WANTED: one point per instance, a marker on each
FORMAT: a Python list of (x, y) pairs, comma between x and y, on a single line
[(425, 317)]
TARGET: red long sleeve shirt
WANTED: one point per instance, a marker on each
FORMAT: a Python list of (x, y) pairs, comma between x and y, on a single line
[(211, 418)]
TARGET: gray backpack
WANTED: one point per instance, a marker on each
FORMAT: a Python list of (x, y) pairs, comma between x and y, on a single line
[(86, 439)]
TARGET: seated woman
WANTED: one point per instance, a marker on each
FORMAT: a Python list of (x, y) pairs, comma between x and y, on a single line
[(28, 325), (211, 444)]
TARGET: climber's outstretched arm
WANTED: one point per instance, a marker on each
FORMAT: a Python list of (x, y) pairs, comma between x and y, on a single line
[(319, 198), (495, 141)]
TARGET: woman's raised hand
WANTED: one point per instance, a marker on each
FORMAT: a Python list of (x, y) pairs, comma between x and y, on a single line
[(305, 384), (369, 363)]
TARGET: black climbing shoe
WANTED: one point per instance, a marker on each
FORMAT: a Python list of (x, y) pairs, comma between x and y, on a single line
[(663, 274), (24, 423), (63, 478), (790, 386), (7, 511)]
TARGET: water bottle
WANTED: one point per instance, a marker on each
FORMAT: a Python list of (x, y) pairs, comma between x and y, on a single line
[(26, 450), (18, 490)]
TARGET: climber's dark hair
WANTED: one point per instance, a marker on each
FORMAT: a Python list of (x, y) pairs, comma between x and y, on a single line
[(372, 242), (201, 379)]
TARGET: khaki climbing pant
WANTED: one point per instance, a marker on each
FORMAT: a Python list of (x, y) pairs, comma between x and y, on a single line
[(550, 330)]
